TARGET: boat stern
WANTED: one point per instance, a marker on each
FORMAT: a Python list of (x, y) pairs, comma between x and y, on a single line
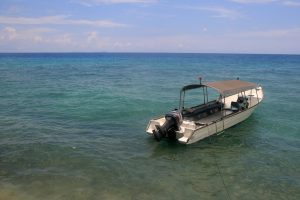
[(153, 122)]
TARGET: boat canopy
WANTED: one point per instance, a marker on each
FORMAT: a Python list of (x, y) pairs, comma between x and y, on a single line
[(230, 87)]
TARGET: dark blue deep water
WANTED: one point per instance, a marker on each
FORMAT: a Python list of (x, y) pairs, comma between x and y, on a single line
[(72, 126)]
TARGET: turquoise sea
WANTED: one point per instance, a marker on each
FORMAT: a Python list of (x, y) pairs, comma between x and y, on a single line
[(72, 126)]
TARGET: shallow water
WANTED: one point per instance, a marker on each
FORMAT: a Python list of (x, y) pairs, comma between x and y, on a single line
[(72, 126)]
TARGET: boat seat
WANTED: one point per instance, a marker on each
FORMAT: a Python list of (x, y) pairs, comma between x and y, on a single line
[(235, 106), (240, 104)]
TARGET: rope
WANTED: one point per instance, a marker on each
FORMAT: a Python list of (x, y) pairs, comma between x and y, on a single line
[(228, 196)]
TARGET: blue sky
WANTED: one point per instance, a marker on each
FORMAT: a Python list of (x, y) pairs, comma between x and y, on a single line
[(204, 26)]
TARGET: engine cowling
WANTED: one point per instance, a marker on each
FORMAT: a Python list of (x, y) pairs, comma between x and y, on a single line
[(169, 128)]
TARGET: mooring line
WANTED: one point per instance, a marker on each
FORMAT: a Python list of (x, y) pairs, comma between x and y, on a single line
[(228, 196)]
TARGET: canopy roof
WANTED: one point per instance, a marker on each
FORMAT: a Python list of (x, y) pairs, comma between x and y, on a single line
[(231, 87)]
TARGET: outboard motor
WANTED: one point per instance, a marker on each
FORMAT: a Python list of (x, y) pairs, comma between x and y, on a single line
[(172, 124)]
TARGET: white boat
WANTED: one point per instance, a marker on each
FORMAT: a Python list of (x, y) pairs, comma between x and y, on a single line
[(235, 101)]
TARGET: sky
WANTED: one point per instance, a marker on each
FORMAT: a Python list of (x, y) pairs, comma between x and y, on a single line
[(196, 26)]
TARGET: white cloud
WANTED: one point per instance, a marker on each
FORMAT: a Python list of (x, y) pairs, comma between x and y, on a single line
[(261, 41), (253, 1), (35, 39), (217, 10), (9, 33), (65, 39), (92, 36), (125, 1), (99, 2), (58, 20), (283, 2), (268, 41), (292, 3), (273, 33)]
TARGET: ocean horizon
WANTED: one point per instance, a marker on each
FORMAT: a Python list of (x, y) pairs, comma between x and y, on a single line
[(72, 126), (143, 52)]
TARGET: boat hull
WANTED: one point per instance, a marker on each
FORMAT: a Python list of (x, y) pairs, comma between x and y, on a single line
[(217, 126)]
